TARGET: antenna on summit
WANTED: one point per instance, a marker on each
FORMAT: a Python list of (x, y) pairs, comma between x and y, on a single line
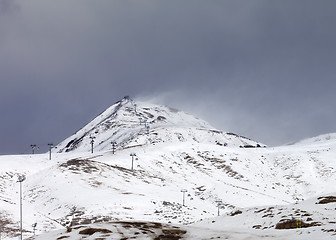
[(128, 99)]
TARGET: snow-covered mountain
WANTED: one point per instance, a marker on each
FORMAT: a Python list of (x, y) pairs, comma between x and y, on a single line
[(130, 123), (259, 187), (318, 140)]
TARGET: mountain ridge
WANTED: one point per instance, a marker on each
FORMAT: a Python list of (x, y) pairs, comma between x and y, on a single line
[(320, 139)]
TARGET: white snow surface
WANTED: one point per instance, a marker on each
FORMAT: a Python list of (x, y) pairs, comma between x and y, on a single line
[(124, 123), (318, 140), (259, 187)]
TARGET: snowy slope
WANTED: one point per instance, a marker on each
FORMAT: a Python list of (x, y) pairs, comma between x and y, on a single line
[(179, 152), (309, 219), (103, 188), (318, 140), (130, 123)]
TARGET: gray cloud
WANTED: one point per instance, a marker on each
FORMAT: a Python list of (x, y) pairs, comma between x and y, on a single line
[(264, 69), (8, 6)]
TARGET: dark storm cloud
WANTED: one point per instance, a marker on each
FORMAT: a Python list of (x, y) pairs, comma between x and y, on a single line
[(264, 69)]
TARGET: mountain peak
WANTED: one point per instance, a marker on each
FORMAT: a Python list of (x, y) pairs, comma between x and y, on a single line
[(129, 122)]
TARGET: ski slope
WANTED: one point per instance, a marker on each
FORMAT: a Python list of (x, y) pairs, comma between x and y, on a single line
[(259, 186)]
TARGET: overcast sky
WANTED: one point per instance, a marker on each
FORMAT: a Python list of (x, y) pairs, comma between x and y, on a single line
[(263, 69)]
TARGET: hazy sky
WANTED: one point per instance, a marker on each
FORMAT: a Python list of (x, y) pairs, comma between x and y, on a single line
[(263, 69)]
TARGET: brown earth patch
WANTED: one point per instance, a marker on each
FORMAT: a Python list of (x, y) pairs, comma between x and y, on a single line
[(90, 231), (325, 200), (294, 223)]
